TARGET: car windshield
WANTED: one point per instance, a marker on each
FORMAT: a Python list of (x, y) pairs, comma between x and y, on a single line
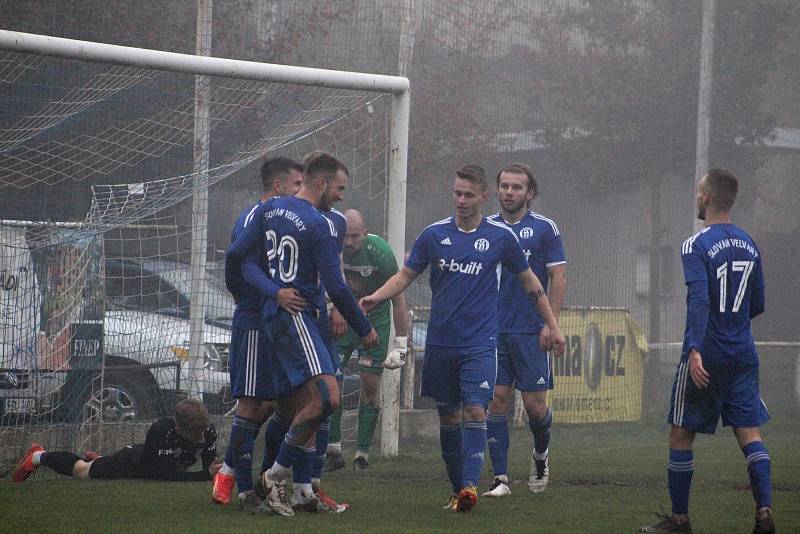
[(219, 303), (163, 287)]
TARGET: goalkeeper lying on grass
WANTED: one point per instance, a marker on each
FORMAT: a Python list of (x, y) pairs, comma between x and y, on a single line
[(172, 445)]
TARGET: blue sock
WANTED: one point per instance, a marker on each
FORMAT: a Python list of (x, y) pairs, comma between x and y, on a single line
[(474, 446), (679, 476), (242, 439), (323, 433), (541, 432), (277, 427), (291, 449), (758, 468), (229, 455), (450, 438), (301, 470), (497, 438)]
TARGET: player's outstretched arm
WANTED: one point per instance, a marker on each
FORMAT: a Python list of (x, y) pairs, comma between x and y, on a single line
[(533, 288), (393, 286)]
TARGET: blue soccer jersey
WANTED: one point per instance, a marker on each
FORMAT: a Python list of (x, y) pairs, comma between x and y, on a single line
[(339, 226), (248, 308), (541, 243), (464, 279), (722, 267), (300, 250)]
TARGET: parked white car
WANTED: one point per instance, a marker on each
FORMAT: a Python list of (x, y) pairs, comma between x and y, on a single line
[(145, 338)]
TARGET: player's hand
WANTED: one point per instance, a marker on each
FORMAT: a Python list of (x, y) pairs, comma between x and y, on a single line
[(557, 341), (396, 357), (290, 300), (367, 303), (545, 342), (214, 468), (338, 324), (700, 376), (370, 341)]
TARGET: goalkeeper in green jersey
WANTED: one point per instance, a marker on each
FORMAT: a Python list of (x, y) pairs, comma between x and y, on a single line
[(368, 263)]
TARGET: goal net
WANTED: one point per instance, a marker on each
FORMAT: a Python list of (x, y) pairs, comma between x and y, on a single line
[(100, 166)]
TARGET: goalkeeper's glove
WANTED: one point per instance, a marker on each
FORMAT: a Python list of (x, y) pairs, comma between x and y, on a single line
[(396, 357)]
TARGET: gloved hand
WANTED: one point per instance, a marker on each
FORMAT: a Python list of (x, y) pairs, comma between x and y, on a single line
[(396, 357)]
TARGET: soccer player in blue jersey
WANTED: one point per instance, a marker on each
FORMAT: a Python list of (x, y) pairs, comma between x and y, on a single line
[(308, 470), (460, 366), (522, 353), (251, 383), (280, 421), (718, 371), (300, 251)]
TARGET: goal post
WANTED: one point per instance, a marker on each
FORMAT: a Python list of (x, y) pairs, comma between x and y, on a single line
[(396, 151)]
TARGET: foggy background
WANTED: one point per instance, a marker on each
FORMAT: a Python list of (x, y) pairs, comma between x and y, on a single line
[(601, 99)]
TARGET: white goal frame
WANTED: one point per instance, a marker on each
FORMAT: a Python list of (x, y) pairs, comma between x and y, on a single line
[(398, 86)]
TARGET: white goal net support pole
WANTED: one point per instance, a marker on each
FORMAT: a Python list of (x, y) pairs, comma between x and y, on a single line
[(265, 72)]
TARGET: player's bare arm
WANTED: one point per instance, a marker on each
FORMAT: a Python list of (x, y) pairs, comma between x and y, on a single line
[(398, 348), (400, 315), (556, 294), (533, 288), (393, 286)]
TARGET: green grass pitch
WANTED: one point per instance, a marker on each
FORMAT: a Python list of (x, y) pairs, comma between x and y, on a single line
[(604, 478)]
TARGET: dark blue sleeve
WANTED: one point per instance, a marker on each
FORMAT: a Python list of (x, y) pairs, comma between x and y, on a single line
[(697, 308), (757, 300), (254, 275), (420, 256), (247, 241), (341, 230), (697, 300), (513, 258), (330, 274), (553, 248)]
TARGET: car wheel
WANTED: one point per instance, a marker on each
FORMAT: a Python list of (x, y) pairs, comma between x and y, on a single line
[(121, 399)]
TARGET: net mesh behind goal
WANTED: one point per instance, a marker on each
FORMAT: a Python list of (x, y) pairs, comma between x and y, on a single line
[(98, 161)]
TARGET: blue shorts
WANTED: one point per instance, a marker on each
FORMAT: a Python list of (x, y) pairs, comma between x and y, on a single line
[(520, 362), (459, 374), (248, 362), (330, 343), (299, 351), (732, 393)]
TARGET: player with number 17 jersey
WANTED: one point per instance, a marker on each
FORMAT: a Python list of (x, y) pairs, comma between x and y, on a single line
[(300, 252), (725, 261)]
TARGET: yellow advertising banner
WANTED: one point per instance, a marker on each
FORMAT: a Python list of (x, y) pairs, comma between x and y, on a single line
[(601, 374)]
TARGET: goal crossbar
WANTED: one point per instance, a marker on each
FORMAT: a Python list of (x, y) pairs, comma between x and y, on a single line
[(197, 65), (191, 64)]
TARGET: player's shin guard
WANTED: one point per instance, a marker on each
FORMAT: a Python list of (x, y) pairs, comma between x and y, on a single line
[(242, 439), (367, 420), (679, 476), (541, 432), (758, 469), (59, 461), (450, 438), (474, 446), (291, 450), (497, 438), (303, 467), (336, 425), (323, 437), (274, 434)]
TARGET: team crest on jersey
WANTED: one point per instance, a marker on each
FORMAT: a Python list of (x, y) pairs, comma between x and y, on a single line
[(526, 233), (365, 270), (481, 245)]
